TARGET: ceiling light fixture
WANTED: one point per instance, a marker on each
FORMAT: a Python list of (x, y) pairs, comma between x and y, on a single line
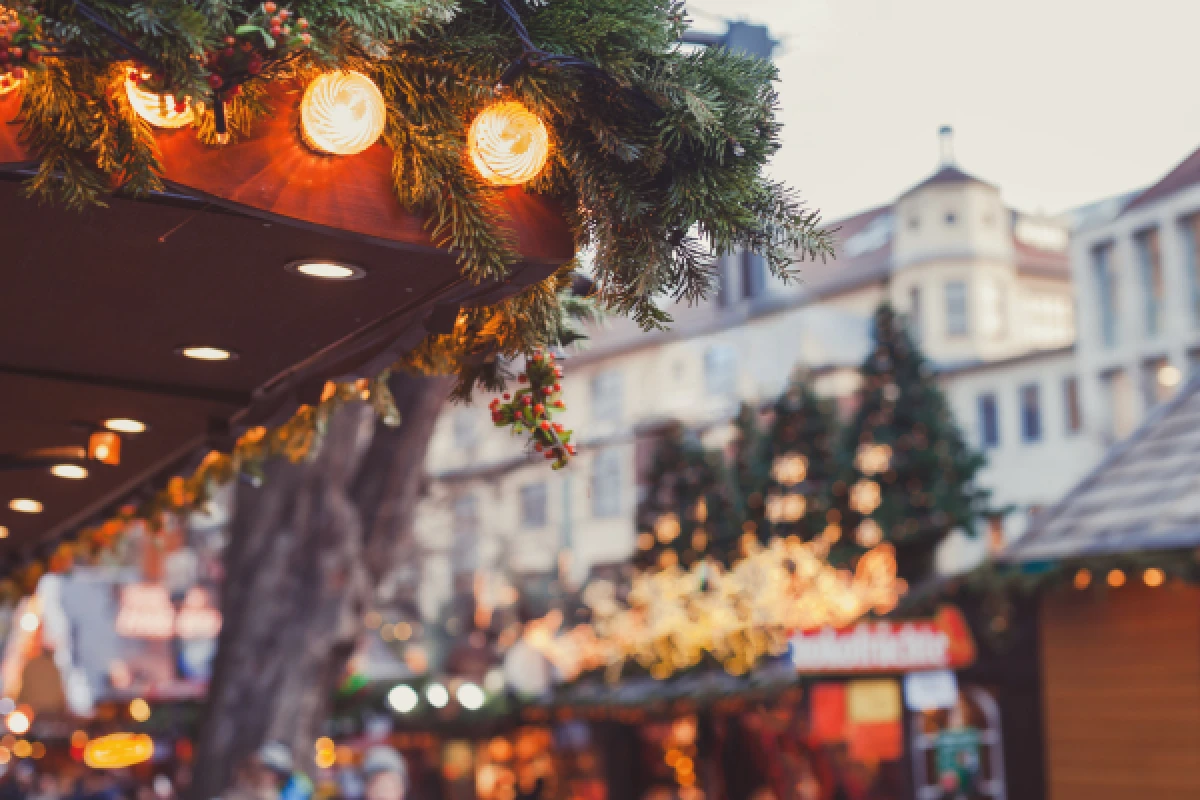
[(25, 505), (327, 270), (201, 352), (72, 472), (3, 532), (125, 425)]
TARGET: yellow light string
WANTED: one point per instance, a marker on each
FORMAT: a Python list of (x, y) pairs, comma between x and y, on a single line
[(508, 143), (342, 113), (157, 109)]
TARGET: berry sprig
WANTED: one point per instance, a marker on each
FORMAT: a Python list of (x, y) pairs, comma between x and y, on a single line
[(18, 46), (269, 33), (531, 409)]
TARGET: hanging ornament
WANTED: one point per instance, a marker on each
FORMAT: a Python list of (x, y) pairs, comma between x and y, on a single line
[(160, 109), (509, 144), (342, 113)]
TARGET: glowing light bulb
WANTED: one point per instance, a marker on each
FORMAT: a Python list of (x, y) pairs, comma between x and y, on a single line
[(125, 425), (342, 113), (139, 709), (437, 695), (205, 353), (470, 697), (118, 750), (509, 144), (25, 505), (9, 84), (403, 698), (72, 472), (30, 622), (160, 110), (17, 722)]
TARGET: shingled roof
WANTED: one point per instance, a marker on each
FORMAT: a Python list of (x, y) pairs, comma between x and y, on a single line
[(1145, 494)]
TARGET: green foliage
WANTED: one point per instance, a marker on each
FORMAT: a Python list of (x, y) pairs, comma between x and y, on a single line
[(928, 488), (800, 434), (688, 511), (658, 160)]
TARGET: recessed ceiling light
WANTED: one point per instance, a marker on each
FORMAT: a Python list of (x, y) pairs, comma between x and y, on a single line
[(205, 353), (327, 270), (72, 472), (3, 532), (25, 505), (125, 425)]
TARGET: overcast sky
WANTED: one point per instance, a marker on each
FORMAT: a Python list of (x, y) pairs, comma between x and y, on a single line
[(1060, 102)]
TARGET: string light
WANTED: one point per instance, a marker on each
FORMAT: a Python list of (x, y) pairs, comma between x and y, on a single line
[(865, 496), (403, 698), (139, 710), (470, 696), (9, 84), (1154, 577), (872, 459), (1083, 579), (105, 447), (869, 533), (1116, 578), (17, 722), (789, 469), (437, 695), (508, 143), (160, 110), (342, 113), (118, 750)]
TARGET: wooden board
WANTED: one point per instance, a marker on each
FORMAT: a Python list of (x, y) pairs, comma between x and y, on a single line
[(1121, 692)]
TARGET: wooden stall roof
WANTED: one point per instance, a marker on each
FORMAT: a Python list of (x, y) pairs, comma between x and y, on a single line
[(95, 304)]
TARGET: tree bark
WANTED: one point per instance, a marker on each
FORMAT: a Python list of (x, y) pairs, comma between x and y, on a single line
[(309, 550)]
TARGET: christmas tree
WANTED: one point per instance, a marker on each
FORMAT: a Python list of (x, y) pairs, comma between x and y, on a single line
[(909, 474), (688, 510), (785, 472)]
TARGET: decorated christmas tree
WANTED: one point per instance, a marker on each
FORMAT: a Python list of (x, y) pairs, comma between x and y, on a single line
[(786, 467), (688, 511), (909, 476)]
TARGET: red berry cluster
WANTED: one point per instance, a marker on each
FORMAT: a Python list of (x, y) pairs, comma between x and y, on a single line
[(17, 49), (270, 32), (532, 408)]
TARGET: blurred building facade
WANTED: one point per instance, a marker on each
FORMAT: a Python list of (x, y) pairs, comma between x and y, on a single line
[(986, 290), (1137, 269)]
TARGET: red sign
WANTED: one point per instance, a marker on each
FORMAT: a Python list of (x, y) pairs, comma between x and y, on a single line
[(943, 642)]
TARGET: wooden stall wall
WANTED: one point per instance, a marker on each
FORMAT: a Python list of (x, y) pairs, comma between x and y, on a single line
[(1121, 683)]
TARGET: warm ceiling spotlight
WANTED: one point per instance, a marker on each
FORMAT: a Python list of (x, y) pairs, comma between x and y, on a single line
[(105, 447), (3, 532), (25, 505), (72, 472), (160, 110), (327, 270), (342, 113), (205, 353), (125, 425), (508, 143)]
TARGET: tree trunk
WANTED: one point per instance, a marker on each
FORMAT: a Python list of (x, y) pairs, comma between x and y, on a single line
[(308, 552)]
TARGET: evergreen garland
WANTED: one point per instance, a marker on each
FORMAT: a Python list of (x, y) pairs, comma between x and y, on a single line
[(925, 486)]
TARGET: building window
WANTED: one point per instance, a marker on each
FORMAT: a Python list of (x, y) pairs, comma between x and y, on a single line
[(1074, 411), (464, 547), (465, 428), (1159, 380), (754, 275), (533, 505), (1119, 398), (989, 421), (608, 389), (951, 218), (914, 222), (1105, 276), (956, 308), (993, 321), (606, 484), (720, 370), (1050, 319), (1191, 255), (1031, 414), (1150, 262), (914, 313)]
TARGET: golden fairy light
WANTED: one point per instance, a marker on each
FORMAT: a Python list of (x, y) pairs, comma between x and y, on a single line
[(786, 507), (869, 533), (8, 83), (865, 496), (789, 469), (675, 617), (342, 113), (160, 110), (508, 143), (666, 528), (872, 459), (118, 750)]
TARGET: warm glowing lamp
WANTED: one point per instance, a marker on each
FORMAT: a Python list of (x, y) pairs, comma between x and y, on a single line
[(105, 447), (509, 144), (125, 425), (118, 750), (342, 113), (139, 710), (8, 83), (160, 110), (17, 722)]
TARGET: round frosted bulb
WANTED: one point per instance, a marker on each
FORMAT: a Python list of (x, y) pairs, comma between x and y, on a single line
[(342, 113), (157, 109), (403, 699), (508, 143), (125, 425), (470, 697), (437, 695), (72, 472)]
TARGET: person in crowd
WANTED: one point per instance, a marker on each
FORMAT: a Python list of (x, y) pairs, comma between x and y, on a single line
[(18, 784), (385, 774), (46, 787), (263, 775)]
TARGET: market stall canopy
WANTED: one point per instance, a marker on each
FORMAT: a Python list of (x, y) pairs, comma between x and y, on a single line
[(99, 306)]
